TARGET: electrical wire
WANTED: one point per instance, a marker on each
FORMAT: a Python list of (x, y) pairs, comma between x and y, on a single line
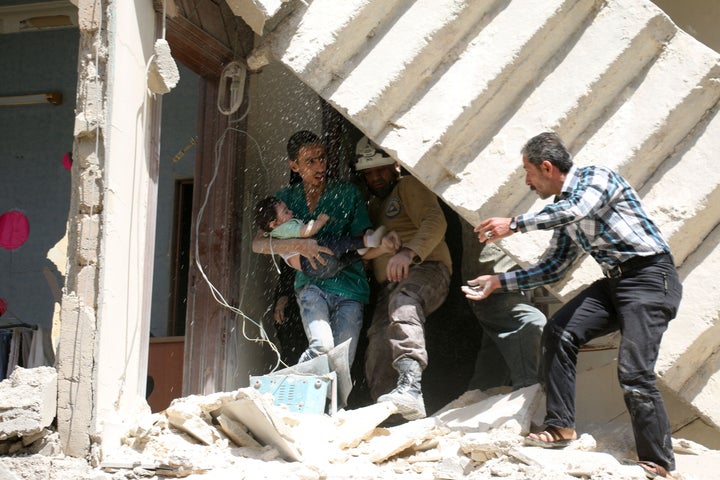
[(216, 294)]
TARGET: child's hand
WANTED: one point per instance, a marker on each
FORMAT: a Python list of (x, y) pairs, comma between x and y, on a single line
[(323, 217), (391, 242)]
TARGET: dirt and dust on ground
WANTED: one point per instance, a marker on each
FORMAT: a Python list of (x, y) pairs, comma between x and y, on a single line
[(244, 434)]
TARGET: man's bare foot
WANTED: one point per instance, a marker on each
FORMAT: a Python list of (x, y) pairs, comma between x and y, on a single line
[(552, 437), (652, 469)]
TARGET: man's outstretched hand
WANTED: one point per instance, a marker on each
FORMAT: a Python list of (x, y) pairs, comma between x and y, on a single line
[(493, 229), (481, 287)]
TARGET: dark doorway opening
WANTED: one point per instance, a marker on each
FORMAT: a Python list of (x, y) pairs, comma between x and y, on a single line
[(180, 257)]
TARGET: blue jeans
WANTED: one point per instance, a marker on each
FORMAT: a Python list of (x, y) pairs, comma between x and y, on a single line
[(640, 304), (510, 350), (328, 320), (345, 252)]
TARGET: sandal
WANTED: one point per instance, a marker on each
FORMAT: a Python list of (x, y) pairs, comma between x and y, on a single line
[(556, 439), (652, 469)]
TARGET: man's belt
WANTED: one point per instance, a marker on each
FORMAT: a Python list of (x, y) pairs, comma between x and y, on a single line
[(636, 263)]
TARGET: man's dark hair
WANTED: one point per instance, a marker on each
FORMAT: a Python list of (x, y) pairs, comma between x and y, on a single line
[(548, 146), (265, 212), (299, 140)]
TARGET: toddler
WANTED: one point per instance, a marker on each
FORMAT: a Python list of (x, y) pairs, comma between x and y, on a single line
[(276, 219)]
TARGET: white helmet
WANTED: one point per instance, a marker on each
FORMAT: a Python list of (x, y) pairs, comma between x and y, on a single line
[(370, 155)]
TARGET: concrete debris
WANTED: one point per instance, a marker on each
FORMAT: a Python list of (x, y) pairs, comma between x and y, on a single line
[(242, 434), (681, 445), (163, 74), (407, 437), (237, 432), (512, 412), (577, 464), (483, 446), (28, 402), (185, 417), (476, 437), (257, 413), (37, 467), (357, 425)]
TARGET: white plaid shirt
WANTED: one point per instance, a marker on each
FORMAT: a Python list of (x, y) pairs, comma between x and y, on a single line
[(597, 211)]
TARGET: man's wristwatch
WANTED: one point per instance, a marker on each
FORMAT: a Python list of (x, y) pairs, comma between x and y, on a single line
[(513, 224)]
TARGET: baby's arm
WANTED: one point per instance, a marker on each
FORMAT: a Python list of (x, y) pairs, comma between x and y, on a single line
[(391, 243), (314, 226)]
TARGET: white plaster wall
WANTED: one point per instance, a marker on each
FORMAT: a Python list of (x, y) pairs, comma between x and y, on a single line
[(280, 105), (129, 208)]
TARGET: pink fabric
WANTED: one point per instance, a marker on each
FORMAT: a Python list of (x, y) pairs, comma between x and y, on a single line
[(14, 229), (67, 161), (3, 307)]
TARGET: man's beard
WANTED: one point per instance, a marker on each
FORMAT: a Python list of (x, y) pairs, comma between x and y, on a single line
[(384, 191)]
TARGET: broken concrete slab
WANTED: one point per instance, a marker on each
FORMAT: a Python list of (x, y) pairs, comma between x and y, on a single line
[(256, 13), (513, 412), (410, 104), (356, 425), (28, 401), (468, 398), (237, 432), (701, 466), (391, 441), (483, 446), (187, 417), (262, 419), (576, 463), (615, 438)]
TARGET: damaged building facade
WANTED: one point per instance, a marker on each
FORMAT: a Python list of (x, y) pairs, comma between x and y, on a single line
[(451, 89)]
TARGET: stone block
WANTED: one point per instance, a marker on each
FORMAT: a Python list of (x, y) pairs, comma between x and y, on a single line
[(88, 239), (86, 287), (394, 440), (28, 401), (89, 16), (183, 417), (255, 12), (90, 190), (511, 412), (356, 425)]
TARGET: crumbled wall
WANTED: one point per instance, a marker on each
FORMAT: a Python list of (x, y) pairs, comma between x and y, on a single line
[(76, 351)]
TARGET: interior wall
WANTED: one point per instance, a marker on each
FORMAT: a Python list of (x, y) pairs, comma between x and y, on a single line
[(34, 180), (179, 126)]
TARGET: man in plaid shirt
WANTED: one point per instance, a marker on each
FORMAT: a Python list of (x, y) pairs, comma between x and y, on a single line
[(597, 212)]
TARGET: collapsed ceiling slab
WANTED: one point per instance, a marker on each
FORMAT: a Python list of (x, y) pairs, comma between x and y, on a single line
[(467, 83)]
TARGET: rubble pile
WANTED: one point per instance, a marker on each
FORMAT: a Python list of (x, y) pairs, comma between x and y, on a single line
[(29, 445), (28, 402), (244, 434)]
